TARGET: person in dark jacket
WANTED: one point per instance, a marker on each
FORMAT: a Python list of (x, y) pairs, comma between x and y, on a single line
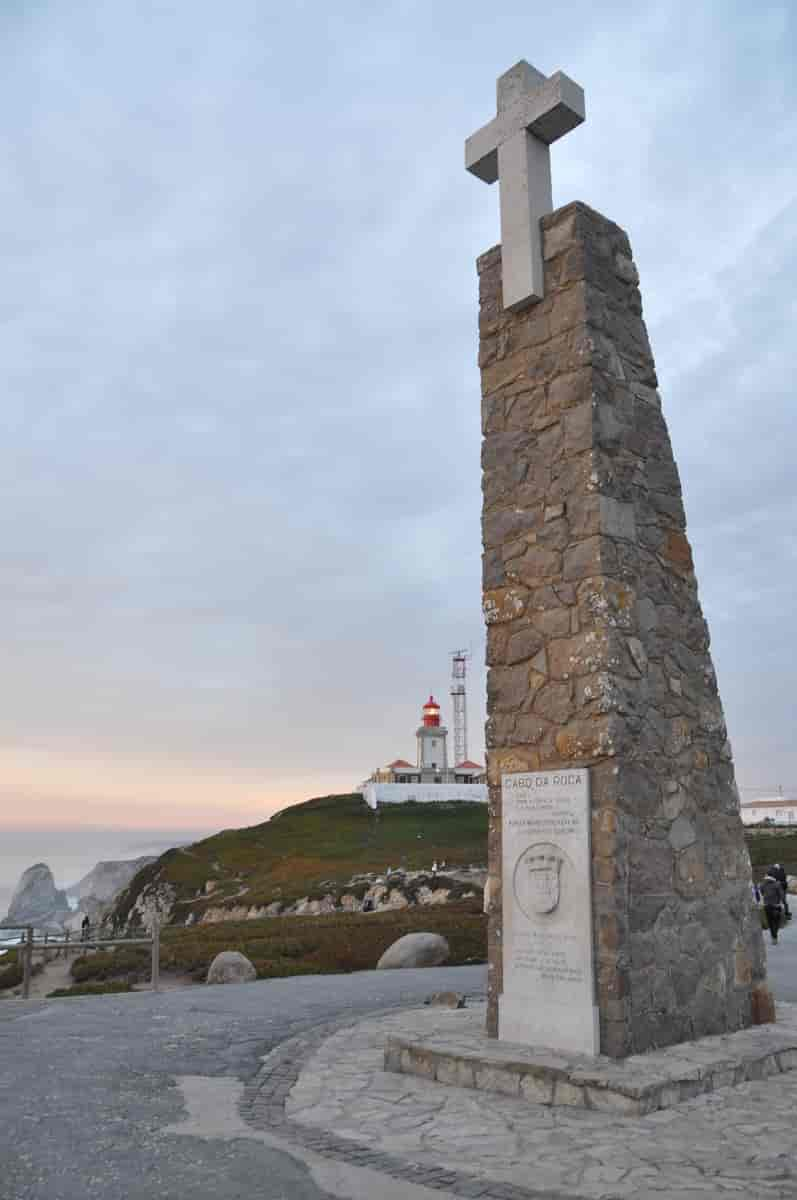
[(778, 872), (772, 895)]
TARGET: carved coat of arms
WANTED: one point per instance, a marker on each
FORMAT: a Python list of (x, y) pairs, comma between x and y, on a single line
[(538, 877), (544, 874)]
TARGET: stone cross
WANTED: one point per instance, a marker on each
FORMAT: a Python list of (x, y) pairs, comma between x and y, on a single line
[(533, 111)]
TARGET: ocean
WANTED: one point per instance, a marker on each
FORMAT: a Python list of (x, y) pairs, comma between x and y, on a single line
[(71, 853)]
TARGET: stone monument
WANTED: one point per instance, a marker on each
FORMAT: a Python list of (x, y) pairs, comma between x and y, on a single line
[(621, 916)]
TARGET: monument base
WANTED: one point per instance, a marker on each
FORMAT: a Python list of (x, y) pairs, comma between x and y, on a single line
[(461, 1054)]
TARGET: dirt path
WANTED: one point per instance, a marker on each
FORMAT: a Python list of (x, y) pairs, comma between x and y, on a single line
[(57, 973)]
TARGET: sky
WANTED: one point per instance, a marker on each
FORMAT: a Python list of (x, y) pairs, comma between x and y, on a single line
[(239, 428)]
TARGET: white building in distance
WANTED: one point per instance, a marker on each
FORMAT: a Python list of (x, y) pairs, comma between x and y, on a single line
[(431, 780), (776, 809)]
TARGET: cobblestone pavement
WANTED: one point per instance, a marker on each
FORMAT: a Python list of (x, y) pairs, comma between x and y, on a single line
[(275, 1089), (738, 1140)]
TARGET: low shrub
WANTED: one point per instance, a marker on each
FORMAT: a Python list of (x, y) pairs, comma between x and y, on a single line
[(90, 989), (770, 846), (331, 944), (281, 946), (10, 975), (11, 972), (133, 962)]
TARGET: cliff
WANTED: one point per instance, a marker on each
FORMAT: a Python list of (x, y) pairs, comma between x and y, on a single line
[(36, 899), (106, 879)]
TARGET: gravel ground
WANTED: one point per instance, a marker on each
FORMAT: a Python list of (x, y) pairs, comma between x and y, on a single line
[(89, 1086)]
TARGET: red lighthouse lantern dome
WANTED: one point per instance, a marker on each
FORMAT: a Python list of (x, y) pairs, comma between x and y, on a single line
[(431, 712)]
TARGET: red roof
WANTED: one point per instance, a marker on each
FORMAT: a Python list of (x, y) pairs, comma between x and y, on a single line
[(400, 762), (431, 703), (468, 763)]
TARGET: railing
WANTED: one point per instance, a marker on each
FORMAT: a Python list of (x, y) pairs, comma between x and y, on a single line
[(29, 943)]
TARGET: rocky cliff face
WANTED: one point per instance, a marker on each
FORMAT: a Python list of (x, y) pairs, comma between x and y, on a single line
[(37, 900), (106, 879), (365, 892)]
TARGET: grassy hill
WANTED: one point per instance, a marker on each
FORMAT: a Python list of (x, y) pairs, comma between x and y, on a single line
[(310, 850)]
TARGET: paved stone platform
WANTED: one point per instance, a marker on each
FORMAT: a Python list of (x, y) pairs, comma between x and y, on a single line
[(458, 1052), (733, 1141)]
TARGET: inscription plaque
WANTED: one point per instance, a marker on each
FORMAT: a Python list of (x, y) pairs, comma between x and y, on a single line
[(549, 985)]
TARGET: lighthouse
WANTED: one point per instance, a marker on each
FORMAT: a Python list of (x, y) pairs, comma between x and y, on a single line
[(432, 748), (431, 780)]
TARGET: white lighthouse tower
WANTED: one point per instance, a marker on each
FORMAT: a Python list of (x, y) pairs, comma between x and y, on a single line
[(432, 747)]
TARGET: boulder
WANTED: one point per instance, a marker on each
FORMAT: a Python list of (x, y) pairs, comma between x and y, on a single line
[(446, 1000), (231, 967), (415, 950)]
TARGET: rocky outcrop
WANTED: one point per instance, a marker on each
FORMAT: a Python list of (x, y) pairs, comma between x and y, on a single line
[(373, 894), (154, 904), (415, 950), (36, 899), (106, 879), (237, 912), (231, 967)]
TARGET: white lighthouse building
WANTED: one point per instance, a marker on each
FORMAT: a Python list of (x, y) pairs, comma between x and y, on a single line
[(431, 780)]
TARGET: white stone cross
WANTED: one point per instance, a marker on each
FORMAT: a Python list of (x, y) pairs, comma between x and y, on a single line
[(533, 111)]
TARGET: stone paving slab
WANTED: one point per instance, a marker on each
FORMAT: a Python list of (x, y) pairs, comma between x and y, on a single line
[(330, 1091), (458, 1052)]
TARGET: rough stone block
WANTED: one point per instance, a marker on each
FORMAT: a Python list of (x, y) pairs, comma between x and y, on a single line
[(589, 572), (568, 1094), (763, 1005), (537, 1089), (455, 1072), (492, 1079), (416, 1062), (604, 1100)]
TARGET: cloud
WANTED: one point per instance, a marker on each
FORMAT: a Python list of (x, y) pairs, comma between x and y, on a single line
[(240, 519)]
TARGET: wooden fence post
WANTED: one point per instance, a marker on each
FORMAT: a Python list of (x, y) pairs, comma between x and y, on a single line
[(27, 962), (156, 950)]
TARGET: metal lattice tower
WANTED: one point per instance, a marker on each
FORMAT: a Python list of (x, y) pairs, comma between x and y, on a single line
[(459, 660)]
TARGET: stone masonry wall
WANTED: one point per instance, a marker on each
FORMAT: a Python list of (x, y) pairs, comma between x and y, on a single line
[(597, 649)]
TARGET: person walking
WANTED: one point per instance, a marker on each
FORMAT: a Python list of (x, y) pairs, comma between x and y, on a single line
[(783, 879), (771, 893)]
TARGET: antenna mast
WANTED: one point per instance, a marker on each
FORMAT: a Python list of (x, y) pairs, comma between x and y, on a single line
[(459, 704)]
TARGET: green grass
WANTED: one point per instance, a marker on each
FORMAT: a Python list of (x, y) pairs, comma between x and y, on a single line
[(283, 946), (312, 849)]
